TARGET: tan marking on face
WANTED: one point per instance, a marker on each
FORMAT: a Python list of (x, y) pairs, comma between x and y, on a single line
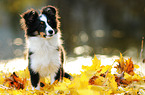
[(48, 20), (42, 22), (42, 34)]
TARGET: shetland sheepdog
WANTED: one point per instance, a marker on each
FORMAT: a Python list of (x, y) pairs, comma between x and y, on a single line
[(45, 52)]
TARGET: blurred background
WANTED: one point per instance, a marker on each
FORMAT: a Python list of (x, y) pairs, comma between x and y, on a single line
[(105, 27)]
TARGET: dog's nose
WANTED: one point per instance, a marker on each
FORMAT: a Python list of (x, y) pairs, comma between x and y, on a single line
[(50, 32)]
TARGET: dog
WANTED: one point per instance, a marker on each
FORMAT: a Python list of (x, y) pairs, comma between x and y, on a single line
[(45, 51)]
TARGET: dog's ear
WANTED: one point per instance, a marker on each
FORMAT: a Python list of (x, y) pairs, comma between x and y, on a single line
[(49, 10), (30, 17), (52, 14)]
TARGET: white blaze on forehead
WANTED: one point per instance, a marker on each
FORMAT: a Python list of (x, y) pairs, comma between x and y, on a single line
[(48, 27)]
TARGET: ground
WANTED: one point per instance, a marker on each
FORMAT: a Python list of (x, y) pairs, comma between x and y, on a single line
[(97, 75)]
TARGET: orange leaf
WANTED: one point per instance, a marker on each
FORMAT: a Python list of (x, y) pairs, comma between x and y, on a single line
[(15, 81)]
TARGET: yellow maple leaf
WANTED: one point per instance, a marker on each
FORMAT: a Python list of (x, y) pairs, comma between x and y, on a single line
[(96, 64), (143, 77), (127, 77), (112, 82), (100, 81), (88, 92), (136, 66), (136, 77), (106, 68), (61, 88)]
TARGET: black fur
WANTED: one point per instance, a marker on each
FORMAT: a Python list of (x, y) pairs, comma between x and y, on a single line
[(50, 12), (34, 76), (60, 74), (32, 22)]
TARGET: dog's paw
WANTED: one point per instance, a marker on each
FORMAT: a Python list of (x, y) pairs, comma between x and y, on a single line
[(37, 88)]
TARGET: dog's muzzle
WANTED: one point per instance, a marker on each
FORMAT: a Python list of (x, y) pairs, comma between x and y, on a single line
[(50, 33)]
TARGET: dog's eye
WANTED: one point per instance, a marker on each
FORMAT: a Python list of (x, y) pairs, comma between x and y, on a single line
[(42, 22)]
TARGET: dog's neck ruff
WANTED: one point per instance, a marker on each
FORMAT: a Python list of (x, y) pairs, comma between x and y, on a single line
[(36, 43)]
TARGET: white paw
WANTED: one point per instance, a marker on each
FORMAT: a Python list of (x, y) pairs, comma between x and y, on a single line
[(37, 88), (52, 78)]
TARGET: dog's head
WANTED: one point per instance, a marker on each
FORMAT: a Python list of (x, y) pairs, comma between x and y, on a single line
[(44, 24)]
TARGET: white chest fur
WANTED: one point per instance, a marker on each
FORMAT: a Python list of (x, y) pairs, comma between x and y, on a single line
[(45, 58)]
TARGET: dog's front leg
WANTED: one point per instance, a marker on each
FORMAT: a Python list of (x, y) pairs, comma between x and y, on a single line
[(52, 78), (37, 88), (35, 80)]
